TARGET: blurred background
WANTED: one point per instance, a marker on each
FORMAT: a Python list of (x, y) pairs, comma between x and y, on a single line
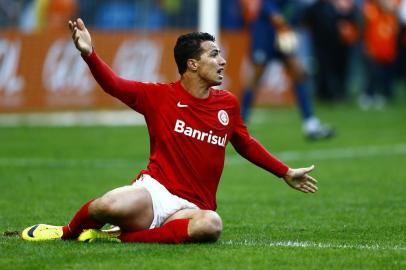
[(353, 51)]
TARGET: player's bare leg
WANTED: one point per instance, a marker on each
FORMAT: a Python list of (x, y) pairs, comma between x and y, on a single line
[(131, 209), (128, 207)]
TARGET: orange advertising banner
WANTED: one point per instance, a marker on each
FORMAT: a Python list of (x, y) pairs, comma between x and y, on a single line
[(44, 71)]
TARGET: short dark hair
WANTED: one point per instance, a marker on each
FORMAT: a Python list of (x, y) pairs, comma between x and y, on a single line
[(188, 47)]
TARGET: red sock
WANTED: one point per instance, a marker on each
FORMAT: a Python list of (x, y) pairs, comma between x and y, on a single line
[(174, 232), (80, 221)]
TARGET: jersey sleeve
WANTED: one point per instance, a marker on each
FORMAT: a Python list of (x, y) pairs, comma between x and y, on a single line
[(134, 94), (249, 148)]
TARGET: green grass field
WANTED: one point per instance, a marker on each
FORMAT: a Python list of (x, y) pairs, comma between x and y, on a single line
[(357, 220)]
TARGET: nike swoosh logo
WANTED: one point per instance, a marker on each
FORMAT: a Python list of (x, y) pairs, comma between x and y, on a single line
[(180, 105), (31, 231)]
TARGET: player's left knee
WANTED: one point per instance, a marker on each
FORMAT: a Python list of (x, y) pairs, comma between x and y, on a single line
[(208, 227)]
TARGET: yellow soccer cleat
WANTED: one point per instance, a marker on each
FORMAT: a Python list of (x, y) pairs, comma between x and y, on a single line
[(92, 235), (42, 232)]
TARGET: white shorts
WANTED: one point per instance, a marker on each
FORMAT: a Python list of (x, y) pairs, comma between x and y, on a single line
[(164, 203)]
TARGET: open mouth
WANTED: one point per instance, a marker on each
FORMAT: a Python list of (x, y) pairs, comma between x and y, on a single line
[(220, 72)]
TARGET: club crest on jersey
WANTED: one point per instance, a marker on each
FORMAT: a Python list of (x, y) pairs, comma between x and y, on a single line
[(223, 117)]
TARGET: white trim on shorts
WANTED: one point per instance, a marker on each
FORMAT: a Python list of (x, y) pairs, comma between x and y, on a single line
[(164, 203)]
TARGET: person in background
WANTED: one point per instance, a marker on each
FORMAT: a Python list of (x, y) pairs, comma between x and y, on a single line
[(334, 30), (401, 59), (381, 29), (273, 38)]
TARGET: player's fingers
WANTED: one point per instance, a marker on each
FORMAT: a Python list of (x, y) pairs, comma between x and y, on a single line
[(311, 179), (302, 187), (80, 23), (72, 26), (313, 187), (308, 169), (76, 41), (76, 35), (307, 187)]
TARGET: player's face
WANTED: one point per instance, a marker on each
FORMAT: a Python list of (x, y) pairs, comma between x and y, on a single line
[(211, 64)]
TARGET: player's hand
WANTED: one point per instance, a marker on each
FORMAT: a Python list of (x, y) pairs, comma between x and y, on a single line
[(300, 180), (81, 36), (287, 41)]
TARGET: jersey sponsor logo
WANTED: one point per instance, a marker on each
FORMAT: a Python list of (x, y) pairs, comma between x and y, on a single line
[(223, 117), (209, 137), (180, 105)]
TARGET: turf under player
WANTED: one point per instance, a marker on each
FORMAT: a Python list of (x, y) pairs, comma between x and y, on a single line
[(189, 124)]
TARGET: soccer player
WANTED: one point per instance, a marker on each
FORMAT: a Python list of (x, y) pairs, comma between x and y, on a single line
[(190, 124), (273, 38)]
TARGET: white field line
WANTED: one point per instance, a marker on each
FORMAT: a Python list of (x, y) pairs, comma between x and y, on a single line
[(61, 119), (310, 156), (315, 245)]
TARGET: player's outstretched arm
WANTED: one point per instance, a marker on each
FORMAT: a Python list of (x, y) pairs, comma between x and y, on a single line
[(300, 180), (128, 91), (81, 37)]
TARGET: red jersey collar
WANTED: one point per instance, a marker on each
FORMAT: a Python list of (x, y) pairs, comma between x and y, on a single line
[(189, 97)]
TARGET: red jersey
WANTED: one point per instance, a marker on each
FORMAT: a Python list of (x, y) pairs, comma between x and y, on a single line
[(188, 135)]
